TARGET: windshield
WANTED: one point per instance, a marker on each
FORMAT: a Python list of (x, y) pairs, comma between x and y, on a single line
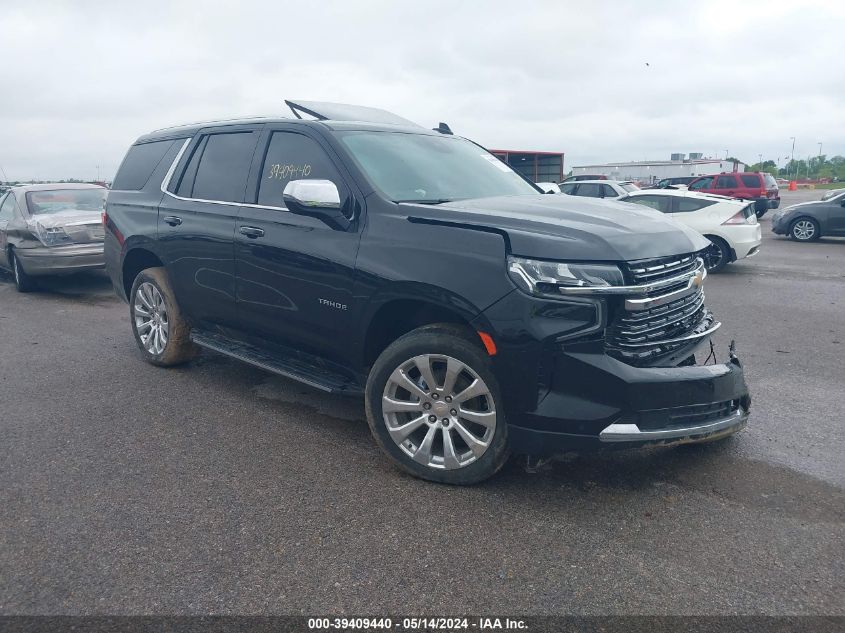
[(59, 200), (431, 169)]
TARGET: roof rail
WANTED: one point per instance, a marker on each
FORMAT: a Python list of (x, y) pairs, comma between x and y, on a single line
[(324, 111)]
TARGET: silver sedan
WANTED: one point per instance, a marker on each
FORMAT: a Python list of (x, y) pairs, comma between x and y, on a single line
[(51, 229)]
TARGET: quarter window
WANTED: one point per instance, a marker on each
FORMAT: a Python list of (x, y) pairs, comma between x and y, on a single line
[(292, 156), (219, 167), (139, 165)]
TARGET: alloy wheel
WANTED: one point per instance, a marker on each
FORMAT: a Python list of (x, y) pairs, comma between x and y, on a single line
[(714, 256), (803, 230), (151, 318), (439, 411)]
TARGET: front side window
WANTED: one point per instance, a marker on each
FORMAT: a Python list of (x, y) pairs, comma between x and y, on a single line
[(292, 156), (53, 201), (431, 168), (704, 183), (221, 164), (568, 188)]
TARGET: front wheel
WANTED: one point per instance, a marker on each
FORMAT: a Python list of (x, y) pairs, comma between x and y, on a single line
[(434, 406), (805, 230), (161, 332)]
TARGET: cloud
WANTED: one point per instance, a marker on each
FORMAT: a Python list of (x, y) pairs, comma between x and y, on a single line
[(81, 80)]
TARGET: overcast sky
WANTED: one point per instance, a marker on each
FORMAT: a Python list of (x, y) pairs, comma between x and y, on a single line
[(600, 81)]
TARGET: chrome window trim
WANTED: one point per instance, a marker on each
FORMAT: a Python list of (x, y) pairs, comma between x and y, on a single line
[(169, 176)]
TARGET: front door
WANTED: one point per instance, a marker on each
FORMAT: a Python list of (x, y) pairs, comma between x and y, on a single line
[(196, 222), (836, 217), (294, 273)]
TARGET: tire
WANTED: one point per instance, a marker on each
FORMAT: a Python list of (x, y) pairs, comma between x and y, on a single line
[(805, 230), (166, 341), (761, 207), (718, 255), (23, 282), (396, 378)]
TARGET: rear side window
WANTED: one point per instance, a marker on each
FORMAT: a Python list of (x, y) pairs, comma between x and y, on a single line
[(139, 164), (291, 156), (689, 204), (219, 167), (725, 182), (7, 207), (589, 190), (751, 180), (658, 203)]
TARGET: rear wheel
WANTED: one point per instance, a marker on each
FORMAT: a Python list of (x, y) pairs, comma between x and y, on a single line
[(23, 282), (434, 406), (718, 255), (805, 230), (161, 332)]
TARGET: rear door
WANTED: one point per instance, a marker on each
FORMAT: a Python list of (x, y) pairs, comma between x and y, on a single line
[(294, 272), (835, 217), (727, 185), (196, 221)]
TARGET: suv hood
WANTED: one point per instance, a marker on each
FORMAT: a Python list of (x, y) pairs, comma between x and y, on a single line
[(557, 226)]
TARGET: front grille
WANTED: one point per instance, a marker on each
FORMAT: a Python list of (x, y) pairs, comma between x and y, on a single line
[(647, 271), (641, 336)]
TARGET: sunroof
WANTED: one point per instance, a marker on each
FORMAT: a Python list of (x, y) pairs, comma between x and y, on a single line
[(345, 112)]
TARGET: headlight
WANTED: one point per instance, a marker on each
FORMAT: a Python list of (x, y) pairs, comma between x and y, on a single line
[(550, 279)]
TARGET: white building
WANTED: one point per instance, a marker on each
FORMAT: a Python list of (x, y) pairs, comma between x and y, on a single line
[(650, 171)]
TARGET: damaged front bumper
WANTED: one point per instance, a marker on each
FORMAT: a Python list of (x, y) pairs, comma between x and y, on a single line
[(595, 401)]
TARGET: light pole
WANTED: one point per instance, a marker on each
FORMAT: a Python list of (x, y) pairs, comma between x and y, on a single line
[(820, 158), (791, 160), (760, 162)]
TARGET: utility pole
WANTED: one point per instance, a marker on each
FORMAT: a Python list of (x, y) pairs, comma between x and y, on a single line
[(791, 160), (820, 160), (760, 162)]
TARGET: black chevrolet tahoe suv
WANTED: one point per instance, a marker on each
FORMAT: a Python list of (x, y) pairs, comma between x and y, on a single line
[(360, 253)]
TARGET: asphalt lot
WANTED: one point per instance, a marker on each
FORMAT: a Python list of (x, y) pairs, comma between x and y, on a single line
[(219, 488)]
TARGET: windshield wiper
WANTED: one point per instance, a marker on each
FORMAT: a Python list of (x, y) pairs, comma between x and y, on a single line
[(426, 201)]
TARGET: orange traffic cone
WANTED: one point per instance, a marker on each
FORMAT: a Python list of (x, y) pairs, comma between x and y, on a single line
[(793, 185)]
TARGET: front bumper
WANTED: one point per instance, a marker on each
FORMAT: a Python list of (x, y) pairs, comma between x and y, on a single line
[(596, 401), (564, 391), (779, 224), (44, 260)]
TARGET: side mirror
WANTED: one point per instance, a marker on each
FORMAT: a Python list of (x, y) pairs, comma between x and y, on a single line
[(316, 198)]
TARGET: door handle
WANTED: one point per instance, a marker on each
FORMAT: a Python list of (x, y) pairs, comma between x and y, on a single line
[(251, 231), (172, 220)]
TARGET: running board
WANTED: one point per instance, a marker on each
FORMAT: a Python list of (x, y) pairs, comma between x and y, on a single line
[(309, 370)]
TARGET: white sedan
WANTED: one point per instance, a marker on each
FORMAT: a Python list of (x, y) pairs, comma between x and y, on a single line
[(730, 224)]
